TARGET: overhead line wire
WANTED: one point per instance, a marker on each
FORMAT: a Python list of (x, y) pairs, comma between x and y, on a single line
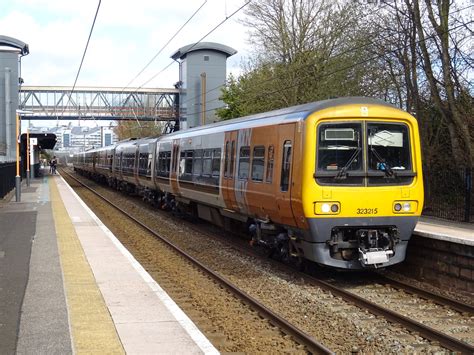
[(165, 45), (366, 60), (344, 68), (211, 31), (309, 65), (155, 56), (83, 56), (199, 41)]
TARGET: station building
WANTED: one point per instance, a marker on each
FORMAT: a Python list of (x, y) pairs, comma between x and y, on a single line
[(202, 74)]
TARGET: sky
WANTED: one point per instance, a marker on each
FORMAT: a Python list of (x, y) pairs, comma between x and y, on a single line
[(126, 36)]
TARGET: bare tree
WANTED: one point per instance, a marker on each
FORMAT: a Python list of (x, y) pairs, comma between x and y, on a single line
[(442, 88)]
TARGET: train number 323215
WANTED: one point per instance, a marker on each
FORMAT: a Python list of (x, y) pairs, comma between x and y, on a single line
[(367, 211)]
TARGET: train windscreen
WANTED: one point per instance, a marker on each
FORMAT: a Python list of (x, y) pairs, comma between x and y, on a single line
[(341, 148)]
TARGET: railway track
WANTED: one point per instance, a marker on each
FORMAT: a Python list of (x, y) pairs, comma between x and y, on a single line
[(425, 331), (311, 344)]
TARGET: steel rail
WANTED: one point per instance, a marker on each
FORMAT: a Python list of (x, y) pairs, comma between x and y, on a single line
[(429, 333), (438, 299), (302, 337)]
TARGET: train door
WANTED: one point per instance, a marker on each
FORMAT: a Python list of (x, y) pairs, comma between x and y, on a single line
[(229, 176), (119, 166), (152, 160), (174, 167), (284, 157), (137, 164)]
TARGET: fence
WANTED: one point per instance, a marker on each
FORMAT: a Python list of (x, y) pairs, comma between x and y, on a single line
[(448, 194), (7, 178)]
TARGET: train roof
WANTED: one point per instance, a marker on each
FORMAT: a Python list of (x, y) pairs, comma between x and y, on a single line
[(284, 115), (288, 114)]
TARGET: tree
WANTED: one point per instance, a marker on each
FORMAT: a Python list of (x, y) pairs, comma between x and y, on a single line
[(425, 48), (136, 129), (443, 89), (305, 50)]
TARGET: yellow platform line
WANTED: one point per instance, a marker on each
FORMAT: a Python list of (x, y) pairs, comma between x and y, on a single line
[(93, 330)]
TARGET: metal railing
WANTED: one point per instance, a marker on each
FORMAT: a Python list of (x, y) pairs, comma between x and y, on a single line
[(7, 178), (57, 102), (448, 194)]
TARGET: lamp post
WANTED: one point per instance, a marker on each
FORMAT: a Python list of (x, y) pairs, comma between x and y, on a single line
[(28, 156), (17, 177), (18, 140)]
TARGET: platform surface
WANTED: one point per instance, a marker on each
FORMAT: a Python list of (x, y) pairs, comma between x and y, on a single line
[(454, 232), (68, 286)]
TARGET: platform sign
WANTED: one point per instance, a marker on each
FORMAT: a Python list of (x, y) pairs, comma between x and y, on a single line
[(33, 141)]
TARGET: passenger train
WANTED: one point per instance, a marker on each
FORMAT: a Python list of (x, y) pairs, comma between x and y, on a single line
[(337, 182)]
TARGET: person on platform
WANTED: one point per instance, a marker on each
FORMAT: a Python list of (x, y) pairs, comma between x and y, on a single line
[(53, 163)]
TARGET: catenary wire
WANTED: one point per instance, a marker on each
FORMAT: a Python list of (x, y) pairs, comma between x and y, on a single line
[(83, 56), (196, 43), (165, 45), (199, 41), (309, 65), (339, 70)]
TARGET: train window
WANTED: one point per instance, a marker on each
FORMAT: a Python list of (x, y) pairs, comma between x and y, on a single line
[(197, 163), (270, 162), (207, 163), (340, 154), (216, 162), (244, 162), (232, 155), (164, 163), (258, 163), (188, 166), (175, 156), (226, 160), (186, 162), (388, 154), (285, 166), (143, 164), (148, 166)]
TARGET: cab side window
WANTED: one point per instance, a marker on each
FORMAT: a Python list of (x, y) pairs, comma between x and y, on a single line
[(269, 177), (244, 163), (258, 163), (285, 166)]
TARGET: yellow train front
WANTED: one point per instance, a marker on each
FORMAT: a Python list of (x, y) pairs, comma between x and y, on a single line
[(362, 184)]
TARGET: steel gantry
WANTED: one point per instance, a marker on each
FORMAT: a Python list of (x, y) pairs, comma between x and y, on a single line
[(98, 103)]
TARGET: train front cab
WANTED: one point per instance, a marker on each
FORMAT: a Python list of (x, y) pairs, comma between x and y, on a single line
[(362, 185)]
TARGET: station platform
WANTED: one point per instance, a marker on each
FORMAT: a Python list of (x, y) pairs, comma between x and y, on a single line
[(454, 232), (68, 286)]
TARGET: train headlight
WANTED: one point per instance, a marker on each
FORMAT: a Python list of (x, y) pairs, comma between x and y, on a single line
[(327, 207), (405, 206)]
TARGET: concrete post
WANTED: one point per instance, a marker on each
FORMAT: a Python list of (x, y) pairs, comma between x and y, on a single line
[(8, 102), (8, 111)]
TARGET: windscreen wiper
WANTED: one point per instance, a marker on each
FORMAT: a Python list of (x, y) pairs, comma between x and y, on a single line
[(386, 168), (342, 174)]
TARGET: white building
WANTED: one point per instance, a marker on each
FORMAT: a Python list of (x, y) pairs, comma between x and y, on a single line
[(77, 139)]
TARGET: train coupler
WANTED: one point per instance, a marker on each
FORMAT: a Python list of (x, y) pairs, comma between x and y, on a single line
[(374, 256)]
